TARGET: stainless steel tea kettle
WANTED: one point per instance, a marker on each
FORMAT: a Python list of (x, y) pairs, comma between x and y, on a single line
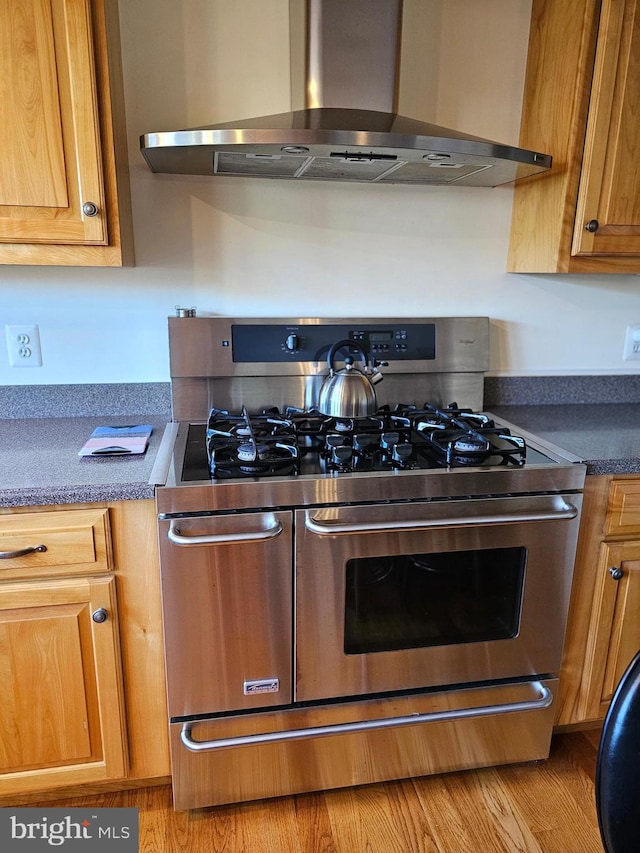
[(349, 392)]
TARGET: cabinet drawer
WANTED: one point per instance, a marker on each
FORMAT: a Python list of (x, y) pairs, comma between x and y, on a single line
[(623, 513), (68, 542)]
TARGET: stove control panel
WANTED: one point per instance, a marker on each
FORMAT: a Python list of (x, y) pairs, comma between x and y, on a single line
[(307, 342)]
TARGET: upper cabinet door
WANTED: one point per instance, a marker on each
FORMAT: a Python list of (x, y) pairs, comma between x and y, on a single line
[(580, 104), (51, 162), (608, 211)]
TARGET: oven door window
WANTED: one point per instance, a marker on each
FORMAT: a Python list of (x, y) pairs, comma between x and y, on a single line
[(420, 600)]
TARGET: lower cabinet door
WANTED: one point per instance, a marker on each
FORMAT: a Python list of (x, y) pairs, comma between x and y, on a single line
[(614, 632), (61, 702)]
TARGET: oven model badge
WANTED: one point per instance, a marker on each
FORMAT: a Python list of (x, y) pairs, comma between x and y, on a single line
[(262, 685)]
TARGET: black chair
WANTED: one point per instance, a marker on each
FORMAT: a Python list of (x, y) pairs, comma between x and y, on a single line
[(618, 767)]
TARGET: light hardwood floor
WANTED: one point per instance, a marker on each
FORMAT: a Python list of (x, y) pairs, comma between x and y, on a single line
[(543, 807)]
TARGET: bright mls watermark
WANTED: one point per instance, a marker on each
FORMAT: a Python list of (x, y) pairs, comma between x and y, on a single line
[(82, 830)]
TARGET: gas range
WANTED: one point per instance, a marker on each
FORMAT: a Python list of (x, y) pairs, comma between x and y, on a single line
[(248, 432), (392, 584)]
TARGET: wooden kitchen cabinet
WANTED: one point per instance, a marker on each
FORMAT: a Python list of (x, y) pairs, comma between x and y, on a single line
[(81, 656), (603, 633), (64, 195), (61, 704), (580, 105), (614, 636)]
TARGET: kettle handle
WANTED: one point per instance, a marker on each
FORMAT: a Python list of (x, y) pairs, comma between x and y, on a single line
[(345, 343)]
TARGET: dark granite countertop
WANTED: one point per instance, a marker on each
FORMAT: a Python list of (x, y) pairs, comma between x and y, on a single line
[(605, 437), (39, 463), (594, 418)]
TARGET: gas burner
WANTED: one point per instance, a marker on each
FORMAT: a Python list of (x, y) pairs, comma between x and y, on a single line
[(362, 441), (252, 452), (468, 449), (259, 445), (401, 455), (456, 436), (432, 417), (462, 446), (388, 440), (228, 460), (470, 443)]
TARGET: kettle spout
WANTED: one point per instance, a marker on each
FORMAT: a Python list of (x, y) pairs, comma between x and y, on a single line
[(375, 375)]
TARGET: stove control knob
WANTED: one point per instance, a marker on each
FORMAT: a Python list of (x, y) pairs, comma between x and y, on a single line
[(292, 343)]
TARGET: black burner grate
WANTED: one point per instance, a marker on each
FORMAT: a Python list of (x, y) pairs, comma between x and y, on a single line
[(404, 437)]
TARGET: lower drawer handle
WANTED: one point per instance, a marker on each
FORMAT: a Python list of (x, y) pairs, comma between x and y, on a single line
[(543, 700), (11, 555)]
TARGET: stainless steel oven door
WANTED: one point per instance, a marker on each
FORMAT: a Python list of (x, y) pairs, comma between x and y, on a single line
[(227, 603), (414, 595)]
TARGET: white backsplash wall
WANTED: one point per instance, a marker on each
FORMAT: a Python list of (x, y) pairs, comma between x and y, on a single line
[(252, 247)]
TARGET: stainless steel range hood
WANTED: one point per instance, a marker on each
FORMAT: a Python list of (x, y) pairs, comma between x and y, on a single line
[(345, 70)]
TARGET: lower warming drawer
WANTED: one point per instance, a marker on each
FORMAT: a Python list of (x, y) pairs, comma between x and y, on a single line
[(328, 747)]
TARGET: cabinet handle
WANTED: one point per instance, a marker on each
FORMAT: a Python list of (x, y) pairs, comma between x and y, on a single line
[(616, 573), (100, 615), (11, 555), (592, 226), (90, 208)]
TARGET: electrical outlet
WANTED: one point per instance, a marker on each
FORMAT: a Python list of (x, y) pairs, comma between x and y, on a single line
[(23, 345), (631, 350)]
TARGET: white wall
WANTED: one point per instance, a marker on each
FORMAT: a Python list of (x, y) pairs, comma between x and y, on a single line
[(251, 247)]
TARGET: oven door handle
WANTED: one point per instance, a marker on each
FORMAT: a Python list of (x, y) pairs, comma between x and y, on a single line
[(543, 700), (174, 535), (331, 528)]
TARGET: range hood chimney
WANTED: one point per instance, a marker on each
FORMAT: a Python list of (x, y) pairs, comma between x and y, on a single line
[(345, 60)]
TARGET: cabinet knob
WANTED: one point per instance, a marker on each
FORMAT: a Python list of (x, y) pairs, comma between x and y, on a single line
[(616, 573), (90, 208), (592, 225), (100, 615)]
